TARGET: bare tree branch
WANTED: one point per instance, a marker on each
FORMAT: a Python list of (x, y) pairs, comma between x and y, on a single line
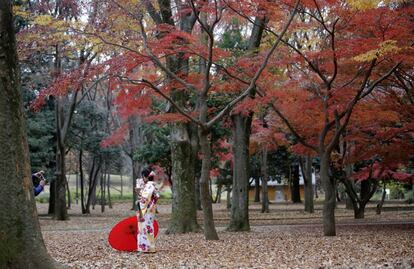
[(258, 72), (165, 96)]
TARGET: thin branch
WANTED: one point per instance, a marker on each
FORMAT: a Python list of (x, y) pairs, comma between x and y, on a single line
[(309, 62), (258, 72), (258, 90), (90, 88), (379, 80), (334, 59), (159, 64), (358, 97), (166, 97), (151, 10), (292, 129)]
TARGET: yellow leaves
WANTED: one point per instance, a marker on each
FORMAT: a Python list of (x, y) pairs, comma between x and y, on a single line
[(369, 4), (95, 41), (135, 2), (43, 20), (367, 56), (52, 23), (60, 25), (388, 46), (124, 23), (19, 11), (363, 4)]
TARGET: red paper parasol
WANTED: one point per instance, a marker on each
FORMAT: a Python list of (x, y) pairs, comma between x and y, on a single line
[(123, 236)]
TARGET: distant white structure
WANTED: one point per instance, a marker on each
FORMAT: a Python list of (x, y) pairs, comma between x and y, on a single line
[(280, 191)]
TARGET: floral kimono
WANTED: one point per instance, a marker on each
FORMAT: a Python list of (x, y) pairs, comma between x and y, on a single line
[(148, 201), (140, 186)]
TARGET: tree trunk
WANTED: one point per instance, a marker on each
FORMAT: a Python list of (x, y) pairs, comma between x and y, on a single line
[(228, 202), (52, 196), (135, 139), (239, 218), (338, 196), (60, 212), (295, 187), (108, 184), (103, 188), (136, 168), (210, 232), (265, 196), (359, 212), (348, 172), (357, 203), (307, 178), (257, 189), (82, 182), (210, 185), (368, 188), (218, 194), (77, 187), (93, 182), (381, 203), (348, 202), (62, 125), (122, 186), (328, 184), (21, 242), (68, 192), (184, 212), (197, 193), (412, 189), (183, 218)]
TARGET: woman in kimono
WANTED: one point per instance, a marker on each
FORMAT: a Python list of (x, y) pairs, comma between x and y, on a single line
[(148, 196)]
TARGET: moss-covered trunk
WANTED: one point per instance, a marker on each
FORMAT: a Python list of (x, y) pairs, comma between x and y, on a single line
[(294, 184), (265, 176), (21, 243), (210, 232), (239, 217), (307, 176), (184, 212), (329, 189)]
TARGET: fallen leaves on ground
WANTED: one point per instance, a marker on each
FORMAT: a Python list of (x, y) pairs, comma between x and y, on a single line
[(385, 241)]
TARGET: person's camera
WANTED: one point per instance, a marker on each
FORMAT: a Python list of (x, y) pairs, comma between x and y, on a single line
[(38, 177)]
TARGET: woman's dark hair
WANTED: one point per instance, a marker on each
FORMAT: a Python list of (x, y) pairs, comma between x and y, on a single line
[(145, 172)]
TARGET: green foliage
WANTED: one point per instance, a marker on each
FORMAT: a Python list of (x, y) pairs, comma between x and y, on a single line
[(232, 37), (410, 197), (41, 138), (279, 162), (89, 128), (397, 190), (226, 175), (156, 148)]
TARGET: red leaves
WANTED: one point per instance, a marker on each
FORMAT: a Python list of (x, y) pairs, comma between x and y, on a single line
[(223, 150), (117, 137), (166, 118), (66, 83), (381, 128), (133, 104), (246, 106), (382, 172)]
